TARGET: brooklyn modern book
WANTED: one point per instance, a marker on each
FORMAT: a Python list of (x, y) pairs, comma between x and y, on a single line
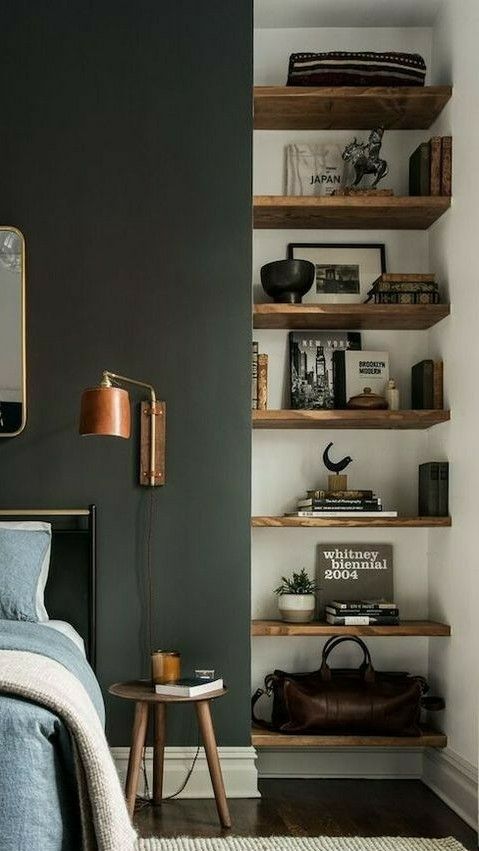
[(353, 371), (311, 366)]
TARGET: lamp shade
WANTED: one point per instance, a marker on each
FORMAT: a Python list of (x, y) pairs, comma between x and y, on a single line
[(105, 410)]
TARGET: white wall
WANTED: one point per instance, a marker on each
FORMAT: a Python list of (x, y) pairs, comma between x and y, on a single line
[(346, 13), (285, 463), (453, 557), (269, 165), (437, 571), (277, 551), (272, 47), (406, 251)]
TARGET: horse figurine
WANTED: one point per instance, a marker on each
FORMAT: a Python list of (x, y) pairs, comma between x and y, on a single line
[(364, 156)]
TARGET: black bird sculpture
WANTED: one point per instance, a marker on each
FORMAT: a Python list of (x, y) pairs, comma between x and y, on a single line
[(330, 465)]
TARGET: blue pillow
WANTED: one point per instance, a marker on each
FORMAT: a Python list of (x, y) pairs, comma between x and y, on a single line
[(24, 563)]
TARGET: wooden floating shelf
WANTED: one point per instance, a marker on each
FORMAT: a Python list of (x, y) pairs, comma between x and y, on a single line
[(348, 107), (333, 212), (429, 738), (346, 317), (379, 522), (348, 419), (405, 628)]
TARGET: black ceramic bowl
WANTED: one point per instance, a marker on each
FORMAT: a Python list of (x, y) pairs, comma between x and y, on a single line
[(287, 281)]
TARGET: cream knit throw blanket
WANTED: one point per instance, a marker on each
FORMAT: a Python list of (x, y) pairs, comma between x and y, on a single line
[(106, 823)]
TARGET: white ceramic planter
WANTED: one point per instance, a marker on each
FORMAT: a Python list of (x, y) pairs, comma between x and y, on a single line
[(297, 608)]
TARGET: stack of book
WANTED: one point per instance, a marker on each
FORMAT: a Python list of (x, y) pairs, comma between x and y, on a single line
[(430, 167), (433, 499), (347, 503), (427, 392), (259, 379), (362, 613), (404, 289)]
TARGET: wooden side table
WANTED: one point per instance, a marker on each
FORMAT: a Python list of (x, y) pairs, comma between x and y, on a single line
[(145, 698)]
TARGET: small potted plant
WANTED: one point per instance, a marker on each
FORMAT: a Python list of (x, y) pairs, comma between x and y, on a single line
[(297, 598)]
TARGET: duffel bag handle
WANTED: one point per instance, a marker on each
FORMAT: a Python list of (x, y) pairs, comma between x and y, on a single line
[(260, 722), (338, 639), (332, 643)]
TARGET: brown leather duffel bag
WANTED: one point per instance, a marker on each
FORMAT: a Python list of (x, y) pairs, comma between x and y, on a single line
[(347, 700)]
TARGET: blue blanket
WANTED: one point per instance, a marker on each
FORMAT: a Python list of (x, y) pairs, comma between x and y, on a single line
[(38, 794)]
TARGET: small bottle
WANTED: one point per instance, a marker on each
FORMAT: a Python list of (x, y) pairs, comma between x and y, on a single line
[(392, 395)]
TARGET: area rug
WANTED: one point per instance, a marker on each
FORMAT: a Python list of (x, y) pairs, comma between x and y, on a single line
[(300, 843)]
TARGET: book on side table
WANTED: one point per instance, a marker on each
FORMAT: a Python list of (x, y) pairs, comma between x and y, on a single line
[(188, 687)]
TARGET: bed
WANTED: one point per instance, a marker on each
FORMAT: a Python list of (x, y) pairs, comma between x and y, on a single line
[(58, 786)]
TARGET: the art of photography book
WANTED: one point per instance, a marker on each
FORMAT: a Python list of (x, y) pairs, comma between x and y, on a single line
[(311, 366)]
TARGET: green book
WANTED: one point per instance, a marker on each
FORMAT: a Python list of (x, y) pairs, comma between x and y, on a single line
[(419, 170)]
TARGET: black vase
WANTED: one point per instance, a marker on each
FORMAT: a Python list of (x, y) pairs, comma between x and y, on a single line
[(287, 281)]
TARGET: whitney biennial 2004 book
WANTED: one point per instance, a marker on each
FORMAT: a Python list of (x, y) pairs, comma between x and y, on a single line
[(311, 365), (352, 572)]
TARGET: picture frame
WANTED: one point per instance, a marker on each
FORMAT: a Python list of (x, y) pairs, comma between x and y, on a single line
[(345, 272)]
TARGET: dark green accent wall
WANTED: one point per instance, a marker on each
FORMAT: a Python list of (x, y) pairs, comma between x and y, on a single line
[(126, 161)]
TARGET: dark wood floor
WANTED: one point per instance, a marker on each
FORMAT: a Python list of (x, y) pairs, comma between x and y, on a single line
[(315, 808)]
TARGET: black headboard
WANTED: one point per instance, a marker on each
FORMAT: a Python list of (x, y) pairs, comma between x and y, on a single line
[(70, 593)]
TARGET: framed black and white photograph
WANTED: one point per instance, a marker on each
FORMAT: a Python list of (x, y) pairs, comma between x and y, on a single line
[(344, 272)]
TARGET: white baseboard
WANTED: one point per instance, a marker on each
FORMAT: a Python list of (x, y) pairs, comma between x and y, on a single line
[(367, 763), (454, 780), (238, 766)]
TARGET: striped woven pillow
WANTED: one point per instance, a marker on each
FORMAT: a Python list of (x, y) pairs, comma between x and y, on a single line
[(344, 68)]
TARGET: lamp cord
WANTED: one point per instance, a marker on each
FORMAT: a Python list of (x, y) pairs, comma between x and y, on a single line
[(146, 799), (149, 571)]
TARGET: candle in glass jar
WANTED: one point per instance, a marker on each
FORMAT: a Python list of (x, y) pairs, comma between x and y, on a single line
[(165, 666)]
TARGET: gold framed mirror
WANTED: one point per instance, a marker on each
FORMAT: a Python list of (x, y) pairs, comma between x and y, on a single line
[(13, 396)]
